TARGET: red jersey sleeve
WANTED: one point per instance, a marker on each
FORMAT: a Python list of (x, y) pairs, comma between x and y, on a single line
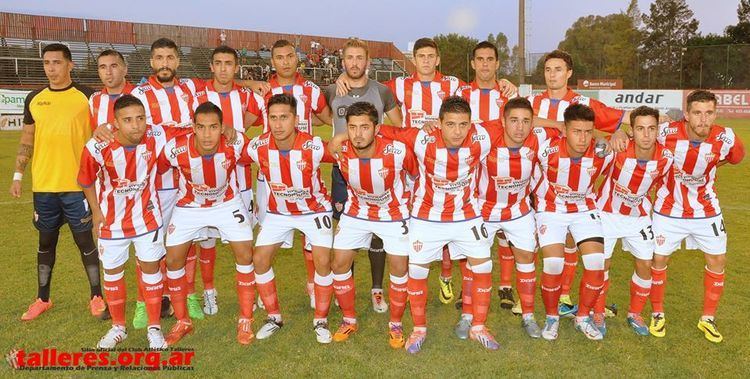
[(327, 157), (176, 131), (410, 163), (607, 119), (737, 152), (405, 135), (162, 163), (89, 169), (245, 158), (321, 104)]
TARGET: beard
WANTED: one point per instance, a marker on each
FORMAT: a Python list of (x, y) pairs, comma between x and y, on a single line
[(165, 79), (352, 76)]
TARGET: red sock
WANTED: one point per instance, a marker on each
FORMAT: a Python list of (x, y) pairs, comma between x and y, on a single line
[(592, 283), (115, 292), (178, 295), (397, 295), (207, 261), (638, 296), (658, 287), (417, 289), (569, 271), (245, 292), (713, 286), (266, 285), (446, 268), (601, 301), (481, 292), (323, 292), (466, 285), (526, 286), (507, 264), (309, 264), (343, 287), (551, 285), (190, 261), (139, 282), (153, 294)]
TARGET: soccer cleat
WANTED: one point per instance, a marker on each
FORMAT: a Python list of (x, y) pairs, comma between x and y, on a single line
[(462, 327), (506, 298), (245, 331), (194, 307), (532, 329), (35, 309), (378, 303), (156, 338), (565, 307), (396, 336), (179, 330), (97, 306), (322, 334), (345, 330), (484, 337), (311, 294), (658, 326), (446, 290), (600, 323), (517, 310), (140, 318), (551, 326), (587, 327), (166, 307), (638, 325), (710, 331), (114, 336), (269, 328), (210, 307), (414, 344)]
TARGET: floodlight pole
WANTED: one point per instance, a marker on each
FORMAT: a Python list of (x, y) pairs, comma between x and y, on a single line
[(521, 41)]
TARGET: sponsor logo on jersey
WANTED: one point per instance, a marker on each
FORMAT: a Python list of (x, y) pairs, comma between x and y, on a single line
[(627, 196), (372, 198), (128, 188), (282, 191), (723, 137), (260, 142), (689, 180), (204, 190), (417, 114), (390, 149), (445, 185), (99, 146), (177, 150), (550, 150), (478, 137), (668, 131), (427, 139), (310, 145), (510, 184)]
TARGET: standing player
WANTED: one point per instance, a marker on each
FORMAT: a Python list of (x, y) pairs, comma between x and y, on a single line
[(290, 162), (624, 206), (375, 170), (356, 62), (208, 199), (112, 71), (566, 203), (687, 206), (56, 127)]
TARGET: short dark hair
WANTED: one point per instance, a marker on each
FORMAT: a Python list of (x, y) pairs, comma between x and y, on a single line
[(125, 101), (363, 108), (425, 42), (700, 95), (164, 42), (579, 112), (560, 54), (208, 108), (283, 98), (643, 110), (111, 53), (518, 103), (454, 104), (58, 47), (279, 44), (223, 49), (484, 45)]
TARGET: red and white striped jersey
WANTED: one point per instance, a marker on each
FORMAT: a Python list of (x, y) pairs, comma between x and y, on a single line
[(567, 184), (446, 188), (166, 106), (505, 179), (127, 184), (310, 98), (421, 101), (626, 188), (204, 181), (688, 190), (233, 104), (376, 185), (607, 119), (101, 105), (486, 103), (292, 177)]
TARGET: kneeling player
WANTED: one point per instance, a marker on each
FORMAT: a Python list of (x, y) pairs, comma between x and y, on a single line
[(374, 169), (624, 207), (208, 198)]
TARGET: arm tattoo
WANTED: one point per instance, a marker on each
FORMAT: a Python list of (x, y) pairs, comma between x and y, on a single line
[(25, 151)]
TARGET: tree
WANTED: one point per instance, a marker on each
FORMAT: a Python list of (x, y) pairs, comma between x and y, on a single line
[(634, 13), (503, 53), (743, 11), (455, 52)]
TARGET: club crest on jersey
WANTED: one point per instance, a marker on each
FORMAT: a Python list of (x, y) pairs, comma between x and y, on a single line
[(170, 228), (653, 174), (185, 97), (146, 155), (441, 94), (500, 102), (660, 239), (302, 98), (591, 170), (225, 164), (301, 165), (383, 172), (709, 157), (530, 155), (469, 160), (309, 145), (417, 245), (543, 229)]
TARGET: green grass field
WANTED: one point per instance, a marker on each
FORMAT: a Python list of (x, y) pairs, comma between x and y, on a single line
[(294, 352)]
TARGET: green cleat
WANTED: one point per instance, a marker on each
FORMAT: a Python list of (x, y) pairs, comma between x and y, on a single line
[(194, 306), (140, 319)]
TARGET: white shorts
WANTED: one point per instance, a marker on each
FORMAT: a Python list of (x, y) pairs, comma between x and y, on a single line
[(277, 228), (230, 218), (521, 231), (636, 234), (247, 199), (168, 202), (705, 234), (552, 227), (354, 233), (465, 239), (261, 198), (114, 253)]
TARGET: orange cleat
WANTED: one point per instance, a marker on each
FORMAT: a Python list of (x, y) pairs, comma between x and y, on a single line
[(179, 330), (345, 330), (97, 306), (245, 331), (35, 309)]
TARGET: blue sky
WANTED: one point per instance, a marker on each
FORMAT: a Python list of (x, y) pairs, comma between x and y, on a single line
[(396, 21)]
